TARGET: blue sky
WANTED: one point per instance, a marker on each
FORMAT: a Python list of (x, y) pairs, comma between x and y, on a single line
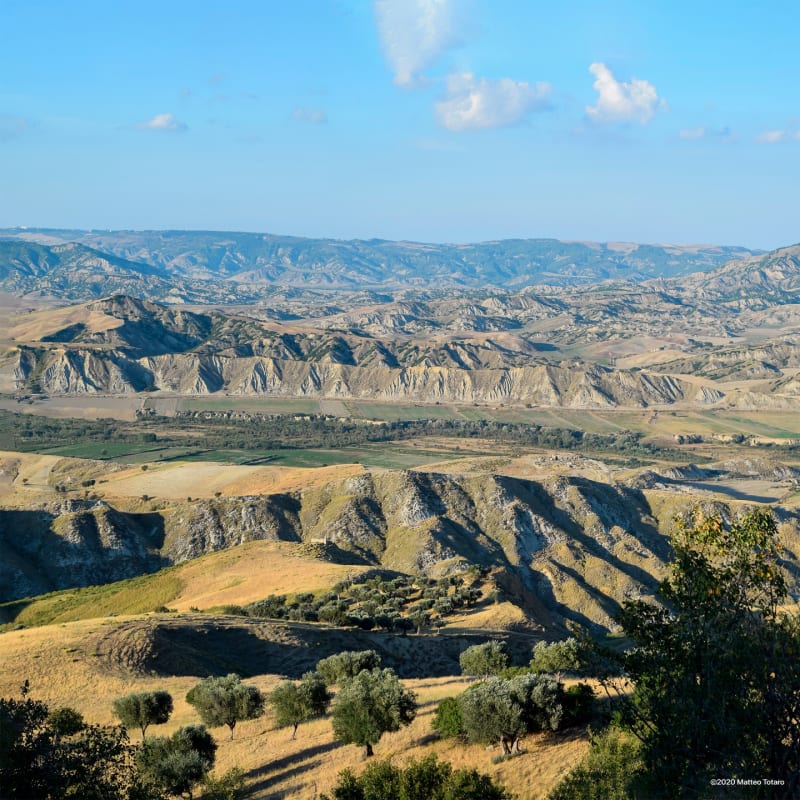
[(435, 120)]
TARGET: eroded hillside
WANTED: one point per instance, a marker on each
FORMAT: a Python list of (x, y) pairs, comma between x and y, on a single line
[(560, 547)]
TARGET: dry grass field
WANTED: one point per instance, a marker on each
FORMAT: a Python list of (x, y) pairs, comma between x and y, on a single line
[(59, 663)]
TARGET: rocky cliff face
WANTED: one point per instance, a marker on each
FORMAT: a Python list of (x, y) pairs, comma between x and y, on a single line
[(562, 548), (78, 371)]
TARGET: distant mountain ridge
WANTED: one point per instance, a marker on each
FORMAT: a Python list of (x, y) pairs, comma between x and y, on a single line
[(221, 267)]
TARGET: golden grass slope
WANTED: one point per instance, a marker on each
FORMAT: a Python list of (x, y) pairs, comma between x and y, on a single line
[(62, 671), (238, 576)]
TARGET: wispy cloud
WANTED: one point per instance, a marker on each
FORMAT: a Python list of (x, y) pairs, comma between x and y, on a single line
[(620, 101), (310, 116), (770, 137), (12, 127), (693, 134), (414, 34), (162, 122), (473, 102)]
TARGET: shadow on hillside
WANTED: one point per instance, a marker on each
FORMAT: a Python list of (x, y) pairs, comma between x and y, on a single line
[(200, 646), (43, 552), (288, 767)]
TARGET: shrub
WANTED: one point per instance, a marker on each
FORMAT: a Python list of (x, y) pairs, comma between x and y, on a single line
[(427, 779), (609, 771), (578, 704), (448, 721)]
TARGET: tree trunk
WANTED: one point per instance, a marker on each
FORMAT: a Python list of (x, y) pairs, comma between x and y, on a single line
[(504, 743), (294, 732), (231, 726), (367, 750)]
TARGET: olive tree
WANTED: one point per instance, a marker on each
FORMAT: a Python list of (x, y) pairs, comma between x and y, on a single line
[(557, 657), (340, 667), (174, 764), (295, 703), (482, 660), (226, 701), (142, 709), (499, 710), (369, 705)]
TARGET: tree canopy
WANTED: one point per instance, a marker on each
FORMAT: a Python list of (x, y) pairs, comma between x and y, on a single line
[(715, 666), (296, 703), (54, 755), (557, 657), (427, 779), (142, 709), (174, 764), (499, 710), (226, 701), (342, 666), (482, 660), (369, 705)]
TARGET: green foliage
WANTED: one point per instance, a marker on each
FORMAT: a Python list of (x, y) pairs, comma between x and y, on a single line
[(273, 607), (56, 755), (482, 660), (226, 701), (609, 771), (142, 709), (498, 710), (448, 720), (295, 703), (398, 604), (716, 668), (370, 704), (343, 666), (427, 779), (578, 704), (556, 657), (175, 764), (218, 433), (229, 786), (65, 721)]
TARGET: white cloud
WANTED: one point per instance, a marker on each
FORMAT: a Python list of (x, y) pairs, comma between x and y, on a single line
[(724, 134), (311, 116), (770, 137), (414, 34), (162, 122), (619, 101), (482, 103)]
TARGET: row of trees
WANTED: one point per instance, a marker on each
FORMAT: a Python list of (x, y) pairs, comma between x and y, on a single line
[(210, 430)]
